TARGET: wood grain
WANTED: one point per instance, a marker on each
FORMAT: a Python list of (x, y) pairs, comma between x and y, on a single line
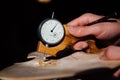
[(64, 67)]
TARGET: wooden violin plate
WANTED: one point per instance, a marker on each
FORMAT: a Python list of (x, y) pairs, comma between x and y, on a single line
[(64, 67)]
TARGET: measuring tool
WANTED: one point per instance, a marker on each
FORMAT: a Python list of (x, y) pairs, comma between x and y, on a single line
[(54, 36)]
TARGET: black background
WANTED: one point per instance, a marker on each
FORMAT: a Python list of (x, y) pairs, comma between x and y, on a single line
[(21, 19)]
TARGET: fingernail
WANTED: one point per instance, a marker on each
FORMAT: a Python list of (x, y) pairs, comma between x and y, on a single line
[(84, 46), (77, 47), (80, 46)]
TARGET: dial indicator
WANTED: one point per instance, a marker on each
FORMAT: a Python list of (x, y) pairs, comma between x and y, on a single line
[(51, 32)]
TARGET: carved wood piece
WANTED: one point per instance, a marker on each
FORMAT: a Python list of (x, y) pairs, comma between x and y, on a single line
[(64, 67)]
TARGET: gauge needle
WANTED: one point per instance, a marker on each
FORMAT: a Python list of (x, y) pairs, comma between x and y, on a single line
[(54, 27)]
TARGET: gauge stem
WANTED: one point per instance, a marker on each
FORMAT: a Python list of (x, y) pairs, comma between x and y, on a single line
[(45, 55), (52, 15)]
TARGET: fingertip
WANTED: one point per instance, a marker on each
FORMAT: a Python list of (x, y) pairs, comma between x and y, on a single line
[(80, 45), (75, 31), (117, 73), (70, 28), (111, 53), (72, 23), (68, 24), (102, 55)]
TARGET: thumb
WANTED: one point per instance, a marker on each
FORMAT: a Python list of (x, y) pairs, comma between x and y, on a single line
[(80, 31), (111, 53)]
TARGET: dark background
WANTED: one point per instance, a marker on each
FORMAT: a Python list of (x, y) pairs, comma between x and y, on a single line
[(21, 19)]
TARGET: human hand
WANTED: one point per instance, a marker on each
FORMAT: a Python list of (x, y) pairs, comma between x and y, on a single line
[(104, 31)]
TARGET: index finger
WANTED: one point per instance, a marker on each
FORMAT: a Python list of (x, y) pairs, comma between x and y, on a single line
[(84, 19)]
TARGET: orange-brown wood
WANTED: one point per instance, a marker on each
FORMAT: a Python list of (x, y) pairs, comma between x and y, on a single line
[(68, 41)]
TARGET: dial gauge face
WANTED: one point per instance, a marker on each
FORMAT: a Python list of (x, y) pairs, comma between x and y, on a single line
[(51, 32)]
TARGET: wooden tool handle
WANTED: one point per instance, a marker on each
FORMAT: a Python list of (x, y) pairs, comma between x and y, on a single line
[(67, 41)]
